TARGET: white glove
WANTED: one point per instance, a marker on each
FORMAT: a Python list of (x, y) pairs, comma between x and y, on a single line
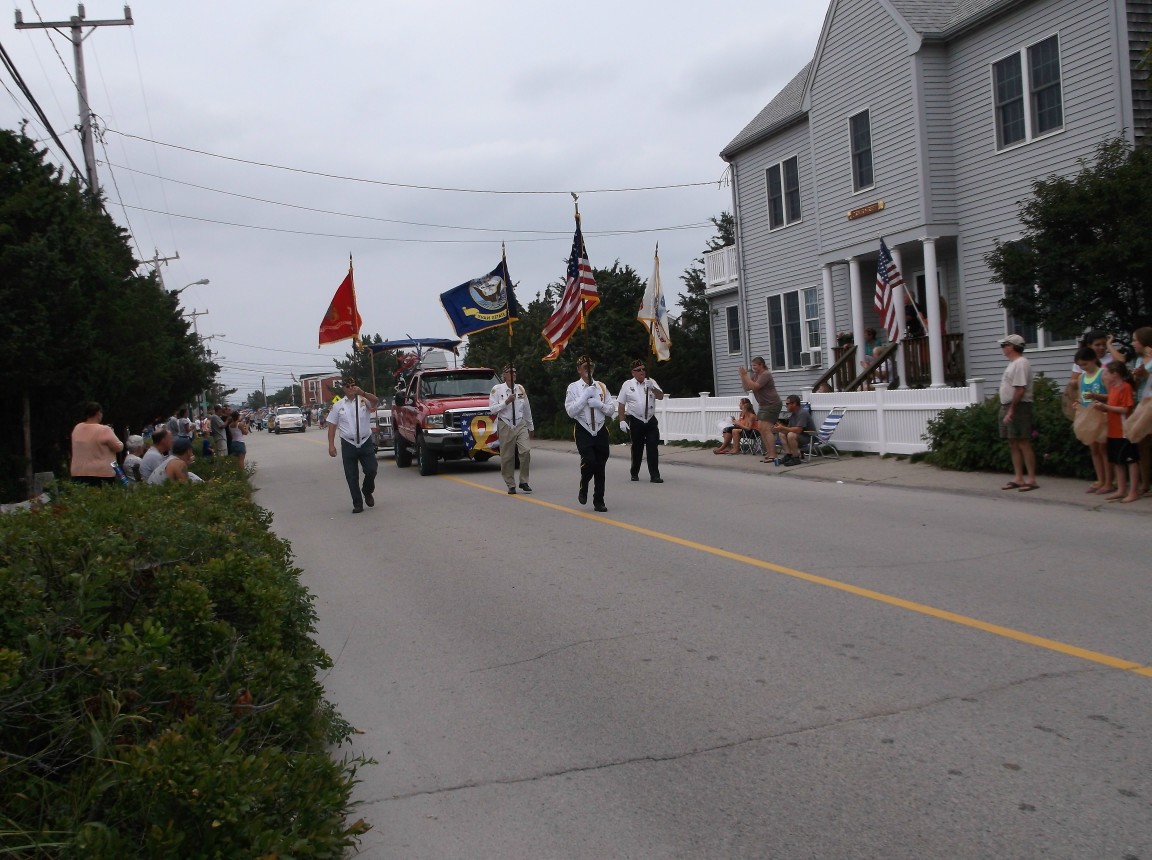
[(647, 384), (591, 393)]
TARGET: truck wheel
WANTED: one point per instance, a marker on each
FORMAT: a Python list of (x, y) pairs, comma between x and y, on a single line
[(427, 461), (403, 454)]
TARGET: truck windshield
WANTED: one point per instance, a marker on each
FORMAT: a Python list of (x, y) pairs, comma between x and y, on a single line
[(458, 385)]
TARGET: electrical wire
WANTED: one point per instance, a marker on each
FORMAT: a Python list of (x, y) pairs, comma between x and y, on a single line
[(407, 184), (505, 231)]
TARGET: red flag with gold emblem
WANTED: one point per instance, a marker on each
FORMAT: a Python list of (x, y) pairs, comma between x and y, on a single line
[(342, 321)]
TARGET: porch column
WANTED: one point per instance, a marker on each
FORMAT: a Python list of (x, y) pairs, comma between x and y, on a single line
[(901, 367), (857, 310), (829, 317), (932, 300)]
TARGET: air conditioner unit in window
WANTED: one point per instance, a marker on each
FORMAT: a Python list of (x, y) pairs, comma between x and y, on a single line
[(809, 359)]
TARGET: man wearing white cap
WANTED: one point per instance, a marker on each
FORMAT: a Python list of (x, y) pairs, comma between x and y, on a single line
[(1016, 414)]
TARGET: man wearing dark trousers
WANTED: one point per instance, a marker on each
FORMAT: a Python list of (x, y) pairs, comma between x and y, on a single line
[(351, 416), (637, 405), (590, 405)]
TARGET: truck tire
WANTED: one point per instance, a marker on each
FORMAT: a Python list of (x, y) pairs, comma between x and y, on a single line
[(425, 459), (403, 454)]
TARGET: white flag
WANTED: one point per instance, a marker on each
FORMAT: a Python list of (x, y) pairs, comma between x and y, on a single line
[(653, 314)]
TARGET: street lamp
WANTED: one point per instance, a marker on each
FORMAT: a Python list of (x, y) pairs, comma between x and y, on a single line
[(198, 283)]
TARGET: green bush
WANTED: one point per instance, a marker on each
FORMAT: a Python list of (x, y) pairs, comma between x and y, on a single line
[(968, 440), (158, 682)]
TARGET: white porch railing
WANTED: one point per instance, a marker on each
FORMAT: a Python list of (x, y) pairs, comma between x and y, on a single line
[(721, 267), (879, 421)]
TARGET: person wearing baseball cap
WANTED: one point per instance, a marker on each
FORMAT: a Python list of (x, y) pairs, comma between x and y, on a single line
[(1016, 414), (351, 416)]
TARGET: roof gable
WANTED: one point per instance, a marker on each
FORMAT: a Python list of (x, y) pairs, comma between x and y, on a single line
[(785, 108)]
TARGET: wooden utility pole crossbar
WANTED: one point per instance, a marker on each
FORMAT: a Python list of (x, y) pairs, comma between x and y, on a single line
[(77, 24)]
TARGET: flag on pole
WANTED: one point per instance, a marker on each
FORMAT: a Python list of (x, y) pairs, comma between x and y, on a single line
[(482, 303), (342, 320), (577, 300), (653, 314), (889, 292)]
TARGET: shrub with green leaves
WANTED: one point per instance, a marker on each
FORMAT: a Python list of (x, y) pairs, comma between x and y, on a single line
[(968, 440), (158, 682)]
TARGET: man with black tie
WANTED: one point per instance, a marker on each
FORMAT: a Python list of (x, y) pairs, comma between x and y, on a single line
[(351, 415), (590, 404), (637, 405)]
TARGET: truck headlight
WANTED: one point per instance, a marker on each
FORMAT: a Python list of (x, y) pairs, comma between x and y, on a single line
[(434, 422)]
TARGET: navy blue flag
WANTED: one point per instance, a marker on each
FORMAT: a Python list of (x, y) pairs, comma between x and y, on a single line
[(482, 303)]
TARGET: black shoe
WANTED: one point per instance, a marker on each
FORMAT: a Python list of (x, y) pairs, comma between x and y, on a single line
[(600, 508), (583, 497), (635, 477), (657, 480), (368, 500), (524, 486), (359, 509), (511, 491)]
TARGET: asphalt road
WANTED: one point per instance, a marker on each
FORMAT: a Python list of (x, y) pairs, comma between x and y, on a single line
[(726, 666)]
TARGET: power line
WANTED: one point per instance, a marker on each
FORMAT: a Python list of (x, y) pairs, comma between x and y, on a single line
[(407, 184), (501, 230)]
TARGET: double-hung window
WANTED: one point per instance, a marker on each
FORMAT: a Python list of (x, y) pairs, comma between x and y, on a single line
[(860, 133), (783, 183), (794, 329), (1020, 119), (732, 320)]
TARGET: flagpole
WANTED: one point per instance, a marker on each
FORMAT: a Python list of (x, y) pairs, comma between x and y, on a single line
[(652, 325), (580, 250), (508, 319)]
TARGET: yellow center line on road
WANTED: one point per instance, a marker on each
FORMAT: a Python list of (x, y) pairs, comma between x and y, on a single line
[(879, 597)]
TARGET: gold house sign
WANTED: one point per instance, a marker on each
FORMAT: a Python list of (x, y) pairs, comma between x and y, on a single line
[(870, 209)]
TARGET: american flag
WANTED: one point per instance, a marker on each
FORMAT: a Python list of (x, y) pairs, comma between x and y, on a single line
[(889, 292), (580, 296)]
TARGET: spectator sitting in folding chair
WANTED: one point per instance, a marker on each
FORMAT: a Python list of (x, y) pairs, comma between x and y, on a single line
[(743, 425), (792, 430)]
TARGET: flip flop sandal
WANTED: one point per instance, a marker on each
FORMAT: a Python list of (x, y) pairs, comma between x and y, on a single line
[(1012, 485), (1027, 488)]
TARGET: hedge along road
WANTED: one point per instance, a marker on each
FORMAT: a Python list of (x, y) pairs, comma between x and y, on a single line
[(725, 666)]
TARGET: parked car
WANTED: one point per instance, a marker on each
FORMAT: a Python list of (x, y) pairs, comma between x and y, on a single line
[(287, 418), (382, 436)]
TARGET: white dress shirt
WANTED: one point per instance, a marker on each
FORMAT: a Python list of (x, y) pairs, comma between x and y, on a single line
[(639, 399), (353, 419), (501, 410), (590, 415)]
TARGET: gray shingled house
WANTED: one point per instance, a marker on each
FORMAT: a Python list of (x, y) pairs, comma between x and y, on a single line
[(923, 122)]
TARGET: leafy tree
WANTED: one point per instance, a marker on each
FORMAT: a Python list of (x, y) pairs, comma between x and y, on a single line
[(1085, 259), (76, 321)]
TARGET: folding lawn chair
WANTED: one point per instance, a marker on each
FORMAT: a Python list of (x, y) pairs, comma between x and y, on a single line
[(819, 444), (751, 443)]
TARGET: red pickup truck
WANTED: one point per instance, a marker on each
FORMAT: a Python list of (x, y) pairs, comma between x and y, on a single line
[(428, 413)]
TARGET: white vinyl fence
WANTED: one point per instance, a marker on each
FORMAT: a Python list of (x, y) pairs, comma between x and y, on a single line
[(879, 421)]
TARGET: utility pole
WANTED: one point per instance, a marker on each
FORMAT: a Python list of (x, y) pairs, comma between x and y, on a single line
[(77, 24), (157, 260)]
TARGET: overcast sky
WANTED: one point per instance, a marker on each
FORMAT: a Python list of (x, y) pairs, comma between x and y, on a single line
[(516, 97)]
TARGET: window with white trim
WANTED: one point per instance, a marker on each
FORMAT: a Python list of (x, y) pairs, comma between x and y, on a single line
[(1018, 121), (794, 329), (783, 184), (860, 135), (732, 320)]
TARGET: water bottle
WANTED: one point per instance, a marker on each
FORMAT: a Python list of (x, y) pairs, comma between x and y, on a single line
[(120, 476), (776, 461)]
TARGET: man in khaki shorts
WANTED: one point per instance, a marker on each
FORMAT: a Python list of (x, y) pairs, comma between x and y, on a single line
[(1016, 413)]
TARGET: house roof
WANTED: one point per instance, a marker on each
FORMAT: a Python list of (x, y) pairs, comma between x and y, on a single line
[(780, 111)]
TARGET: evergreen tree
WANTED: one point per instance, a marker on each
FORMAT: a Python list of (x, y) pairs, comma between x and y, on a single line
[(76, 321)]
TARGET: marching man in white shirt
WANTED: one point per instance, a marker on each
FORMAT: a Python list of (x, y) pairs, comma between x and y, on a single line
[(509, 406), (637, 403), (352, 416), (590, 405)]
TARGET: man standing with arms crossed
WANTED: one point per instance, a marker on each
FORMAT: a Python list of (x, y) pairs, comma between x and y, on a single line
[(351, 415), (509, 407), (636, 405), (589, 404)]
